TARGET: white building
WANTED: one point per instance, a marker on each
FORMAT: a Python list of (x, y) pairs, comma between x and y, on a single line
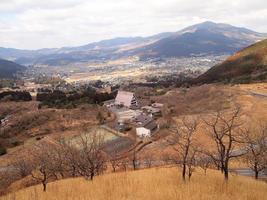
[(147, 126), (126, 99), (143, 132)]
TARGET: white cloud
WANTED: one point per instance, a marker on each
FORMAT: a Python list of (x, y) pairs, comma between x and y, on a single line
[(54, 23)]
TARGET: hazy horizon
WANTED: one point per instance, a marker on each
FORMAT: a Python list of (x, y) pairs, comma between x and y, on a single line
[(36, 24)]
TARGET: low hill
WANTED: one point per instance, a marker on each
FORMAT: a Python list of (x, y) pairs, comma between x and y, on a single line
[(246, 65), (8, 69), (149, 184)]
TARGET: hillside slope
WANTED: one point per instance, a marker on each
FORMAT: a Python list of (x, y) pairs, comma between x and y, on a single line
[(244, 66), (8, 69), (149, 184)]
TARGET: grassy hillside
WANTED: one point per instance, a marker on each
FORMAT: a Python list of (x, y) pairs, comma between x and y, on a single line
[(150, 184), (244, 66), (8, 69)]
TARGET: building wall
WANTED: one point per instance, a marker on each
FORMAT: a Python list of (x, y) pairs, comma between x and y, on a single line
[(143, 132)]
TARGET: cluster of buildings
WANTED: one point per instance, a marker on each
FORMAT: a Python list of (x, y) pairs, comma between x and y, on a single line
[(129, 112)]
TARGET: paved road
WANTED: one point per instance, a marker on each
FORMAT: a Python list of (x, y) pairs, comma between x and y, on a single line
[(247, 172), (259, 94)]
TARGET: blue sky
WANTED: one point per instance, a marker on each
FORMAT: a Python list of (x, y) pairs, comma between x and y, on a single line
[(33, 24)]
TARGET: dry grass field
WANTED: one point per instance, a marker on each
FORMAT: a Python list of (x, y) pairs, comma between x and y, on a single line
[(146, 184), (205, 99), (149, 184)]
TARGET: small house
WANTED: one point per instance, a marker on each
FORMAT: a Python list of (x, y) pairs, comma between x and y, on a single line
[(143, 132), (146, 126)]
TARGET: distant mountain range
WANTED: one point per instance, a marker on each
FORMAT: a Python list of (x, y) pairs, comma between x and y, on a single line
[(249, 64), (8, 69), (204, 38)]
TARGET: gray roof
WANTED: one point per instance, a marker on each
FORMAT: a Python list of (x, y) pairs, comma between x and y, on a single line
[(144, 119), (146, 122), (152, 125)]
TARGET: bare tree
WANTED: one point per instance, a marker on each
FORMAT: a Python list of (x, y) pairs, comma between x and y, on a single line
[(224, 129), (148, 160), (204, 161), (124, 163), (92, 160), (256, 140), (20, 166), (134, 158), (168, 159), (71, 157), (42, 164), (114, 160), (182, 140), (191, 162), (132, 154), (7, 177)]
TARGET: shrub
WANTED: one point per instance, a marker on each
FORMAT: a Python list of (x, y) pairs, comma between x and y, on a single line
[(15, 142), (3, 151)]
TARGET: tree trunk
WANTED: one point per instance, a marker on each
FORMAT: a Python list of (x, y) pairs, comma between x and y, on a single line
[(44, 186), (189, 175), (226, 174), (256, 174), (134, 164), (92, 176), (73, 171), (114, 168), (225, 169), (184, 171), (256, 171)]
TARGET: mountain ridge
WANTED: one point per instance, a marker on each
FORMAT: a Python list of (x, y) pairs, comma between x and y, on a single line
[(204, 38)]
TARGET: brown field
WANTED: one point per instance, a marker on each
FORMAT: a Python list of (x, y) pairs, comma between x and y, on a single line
[(149, 184), (27, 124)]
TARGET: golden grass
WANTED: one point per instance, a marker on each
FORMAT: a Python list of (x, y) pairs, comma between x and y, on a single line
[(150, 184)]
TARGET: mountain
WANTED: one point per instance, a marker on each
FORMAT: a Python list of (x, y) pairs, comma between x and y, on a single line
[(244, 66), (204, 38), (8, 69), (106, 49)]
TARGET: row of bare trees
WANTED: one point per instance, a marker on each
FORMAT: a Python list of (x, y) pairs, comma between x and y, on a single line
[(256, 149), (86, 157), (49, 161), (229, 137)]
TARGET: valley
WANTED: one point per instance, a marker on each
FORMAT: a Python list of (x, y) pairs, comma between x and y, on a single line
[(128, 69)]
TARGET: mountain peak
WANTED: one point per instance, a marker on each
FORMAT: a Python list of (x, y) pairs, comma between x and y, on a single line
[(208, 25)]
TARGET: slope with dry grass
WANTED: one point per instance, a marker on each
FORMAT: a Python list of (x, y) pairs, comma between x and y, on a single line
[(149, 184), (246, 65)]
